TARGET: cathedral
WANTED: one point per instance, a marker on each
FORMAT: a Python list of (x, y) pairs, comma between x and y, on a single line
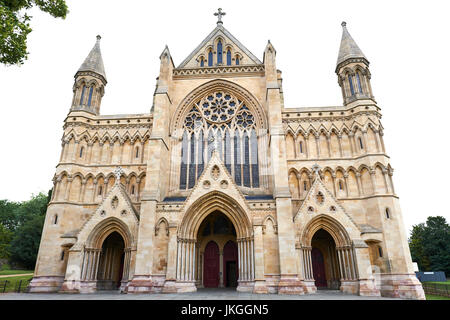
[(222, 185)]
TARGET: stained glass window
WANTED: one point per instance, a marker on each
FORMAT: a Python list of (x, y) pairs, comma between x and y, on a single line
[(90, 95), (351, 84), (202, 62), (210, 58), (184, 160), (237, 158), (200, 154), (219, 52), (254, 160), (82, 95), (246, 164), (228, 151), (359, 82), (237, 60), (228, 57), (223, 121)]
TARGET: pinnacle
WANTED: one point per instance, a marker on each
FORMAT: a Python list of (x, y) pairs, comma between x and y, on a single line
[(94, 61)]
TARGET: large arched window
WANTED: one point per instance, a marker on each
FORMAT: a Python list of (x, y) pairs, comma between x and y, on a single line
[(222, 122)]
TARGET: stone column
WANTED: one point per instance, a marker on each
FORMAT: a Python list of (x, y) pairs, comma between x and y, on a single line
[(221, 271), (372, 180), (260, 282), (351, 139), (172, 263), (340, 145), (68, 186), (329, 144)]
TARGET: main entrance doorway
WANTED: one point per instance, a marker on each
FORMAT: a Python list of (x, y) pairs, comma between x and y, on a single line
[(218, 252)]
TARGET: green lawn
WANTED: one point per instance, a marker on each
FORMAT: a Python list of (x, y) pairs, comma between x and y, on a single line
[(445, 282), (434, 297), (8, 272), (12, 282)]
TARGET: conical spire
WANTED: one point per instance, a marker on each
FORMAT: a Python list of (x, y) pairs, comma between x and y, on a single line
[(349, 49), (94, 61)]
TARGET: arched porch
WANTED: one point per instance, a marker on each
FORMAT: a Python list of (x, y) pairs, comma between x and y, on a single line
[(106, 257), (215, 218), (328, 256)]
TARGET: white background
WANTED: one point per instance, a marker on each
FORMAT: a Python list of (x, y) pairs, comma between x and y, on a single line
[(406, 42)]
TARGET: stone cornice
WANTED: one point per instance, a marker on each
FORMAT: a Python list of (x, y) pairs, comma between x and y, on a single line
[(223, 71), (329, 114), (338, 158)]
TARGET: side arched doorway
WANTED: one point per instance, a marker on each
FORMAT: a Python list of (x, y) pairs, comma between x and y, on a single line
[(324, 261), (111, 264)]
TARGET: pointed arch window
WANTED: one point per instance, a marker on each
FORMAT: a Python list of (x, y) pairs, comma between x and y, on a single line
[(254, 159), (184, 161), (82, 95), (202, 62), (359, 82), (301, 146), (219, 52), (210, 58), (237, 60), (200, 154), (91, 90), (352, 91), (228, 57)]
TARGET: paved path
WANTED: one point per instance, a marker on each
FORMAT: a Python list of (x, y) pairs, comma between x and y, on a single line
[(201, 294), (16, 275)]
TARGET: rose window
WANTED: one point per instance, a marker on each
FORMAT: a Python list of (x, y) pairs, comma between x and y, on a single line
[(219, 107)]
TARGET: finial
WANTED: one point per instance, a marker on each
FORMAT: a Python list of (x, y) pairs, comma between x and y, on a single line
[(219, 15), (343, 24), (316, 169), (98, 37), (118, 173)]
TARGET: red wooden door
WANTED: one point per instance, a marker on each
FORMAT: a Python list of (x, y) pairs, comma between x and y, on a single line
[(318, 268), (211, 265), (230, 254)]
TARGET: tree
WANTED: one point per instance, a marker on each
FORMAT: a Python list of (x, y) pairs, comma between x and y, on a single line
[(430, 245), (14, 26), (21, 228), (5, 240)]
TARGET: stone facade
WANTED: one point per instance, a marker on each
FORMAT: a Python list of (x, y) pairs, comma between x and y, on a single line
[(221, 185)]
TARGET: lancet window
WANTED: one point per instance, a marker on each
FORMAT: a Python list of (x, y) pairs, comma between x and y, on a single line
[(223, 123)]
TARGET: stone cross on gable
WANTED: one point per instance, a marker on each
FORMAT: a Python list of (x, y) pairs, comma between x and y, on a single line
[(118, 173), (219, 15), (316, 169)]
